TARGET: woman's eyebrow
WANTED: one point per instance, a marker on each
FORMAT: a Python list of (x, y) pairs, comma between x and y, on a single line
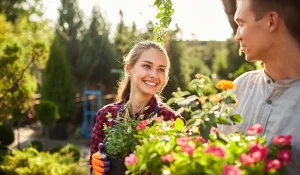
[(149, 62)]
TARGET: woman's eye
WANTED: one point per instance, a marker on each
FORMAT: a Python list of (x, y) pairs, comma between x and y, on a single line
[(146, 66), (161, 70)]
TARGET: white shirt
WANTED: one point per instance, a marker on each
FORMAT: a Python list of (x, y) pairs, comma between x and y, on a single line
[(274, 105)]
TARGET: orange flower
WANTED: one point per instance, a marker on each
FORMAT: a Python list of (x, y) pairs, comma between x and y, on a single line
[(202, 99), (225, 85), (215, 98)]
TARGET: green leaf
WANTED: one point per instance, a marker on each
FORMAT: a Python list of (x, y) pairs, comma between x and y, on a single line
[(236, 118), (223, 120), (170, 101), (179, 125), (191, 122), (229, 100), (159, 15)]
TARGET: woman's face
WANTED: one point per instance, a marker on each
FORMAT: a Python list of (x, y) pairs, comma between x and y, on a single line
[(149, 73)]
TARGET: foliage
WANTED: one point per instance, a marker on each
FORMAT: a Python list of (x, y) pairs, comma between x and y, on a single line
[(30, 161), (167, 149), (120, 140), (164, 15), (7, 136), (124, 40), (69, 31), (197, 147), (98, 55), (36, 144), (58, 83), (47, 112), (23, 51), (70, 150)]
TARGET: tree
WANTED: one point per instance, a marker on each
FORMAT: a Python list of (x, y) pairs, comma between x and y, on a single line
[(98, 54), (47, 113), (19, 57), (122, 40), (58, 82), (70, 30)]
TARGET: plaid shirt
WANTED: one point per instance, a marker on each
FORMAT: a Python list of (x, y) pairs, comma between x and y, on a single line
[(98, 134)]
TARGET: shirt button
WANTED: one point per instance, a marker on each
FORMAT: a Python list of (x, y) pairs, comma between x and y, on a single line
[(268, 81), (269, 102)]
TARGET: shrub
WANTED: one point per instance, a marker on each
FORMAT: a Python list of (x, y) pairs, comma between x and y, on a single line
[(7, 136), (72, 150), (38, 145), (30, 161)]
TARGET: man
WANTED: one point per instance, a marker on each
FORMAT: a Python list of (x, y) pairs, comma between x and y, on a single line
[(269, 31)]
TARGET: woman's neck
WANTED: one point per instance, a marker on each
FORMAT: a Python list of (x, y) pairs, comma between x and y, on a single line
[(138, 102)]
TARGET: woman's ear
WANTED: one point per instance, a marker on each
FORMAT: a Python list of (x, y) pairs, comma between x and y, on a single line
[(128, 68)]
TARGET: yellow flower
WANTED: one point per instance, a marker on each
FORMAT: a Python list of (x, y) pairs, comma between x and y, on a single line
[(225, 85)]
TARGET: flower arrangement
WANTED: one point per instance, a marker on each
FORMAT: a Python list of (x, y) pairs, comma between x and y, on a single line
[(121, 140), (170, 147)]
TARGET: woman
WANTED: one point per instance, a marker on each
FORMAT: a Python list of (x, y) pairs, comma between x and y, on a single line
[(146, 74)]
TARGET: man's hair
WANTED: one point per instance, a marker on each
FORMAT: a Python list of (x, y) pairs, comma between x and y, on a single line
[(288, 10)]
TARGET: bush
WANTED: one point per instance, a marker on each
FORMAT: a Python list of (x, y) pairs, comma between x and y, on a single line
[(38, 145), (47, 112), (30, 161), (7, 136), (71, 149), (55, 149)]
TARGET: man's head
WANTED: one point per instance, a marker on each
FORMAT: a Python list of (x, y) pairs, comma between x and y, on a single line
[(288, 10), (262, 21)]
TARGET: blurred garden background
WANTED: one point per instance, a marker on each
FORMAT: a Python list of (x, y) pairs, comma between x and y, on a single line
[(55, 74)]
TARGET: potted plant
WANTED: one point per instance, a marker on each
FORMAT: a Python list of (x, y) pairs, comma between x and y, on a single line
[(197, 148), (120, 137)]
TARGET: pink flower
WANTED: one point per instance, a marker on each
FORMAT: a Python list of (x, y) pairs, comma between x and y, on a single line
[(158, 119), (188, 149), (284, 156), (272, 165), (182, 140), (231, 170), (282, 140), (200, 139), (258, 152), (131, 159), (213, 130), (255, 129), (141, 125), (246, 159), (214, 150), (168, 158)]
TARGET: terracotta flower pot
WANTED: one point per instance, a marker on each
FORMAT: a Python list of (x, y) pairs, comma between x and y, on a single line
[(117, 166)]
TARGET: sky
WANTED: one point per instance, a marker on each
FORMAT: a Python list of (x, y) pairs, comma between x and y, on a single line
[(198, 19)]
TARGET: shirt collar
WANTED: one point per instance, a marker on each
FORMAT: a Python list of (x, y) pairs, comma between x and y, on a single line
[(281, 83), (151, 105)]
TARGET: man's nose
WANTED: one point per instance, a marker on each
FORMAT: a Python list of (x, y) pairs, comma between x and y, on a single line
[(237, 36)]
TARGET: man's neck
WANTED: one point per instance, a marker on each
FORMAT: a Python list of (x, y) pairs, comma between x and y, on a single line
[(138, 101), (284, 62)]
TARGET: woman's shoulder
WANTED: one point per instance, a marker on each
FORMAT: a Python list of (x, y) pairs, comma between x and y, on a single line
[(165, 108), (110, 107)]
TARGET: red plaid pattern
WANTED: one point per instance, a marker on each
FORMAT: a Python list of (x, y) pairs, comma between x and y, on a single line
[(98, 134)]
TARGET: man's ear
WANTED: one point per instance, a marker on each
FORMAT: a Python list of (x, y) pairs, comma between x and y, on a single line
[(273, 21)]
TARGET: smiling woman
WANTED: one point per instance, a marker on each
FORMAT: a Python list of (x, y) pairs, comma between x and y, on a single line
[(146, 73)]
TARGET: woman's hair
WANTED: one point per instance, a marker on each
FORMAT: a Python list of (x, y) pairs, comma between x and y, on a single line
[(131, 59)]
